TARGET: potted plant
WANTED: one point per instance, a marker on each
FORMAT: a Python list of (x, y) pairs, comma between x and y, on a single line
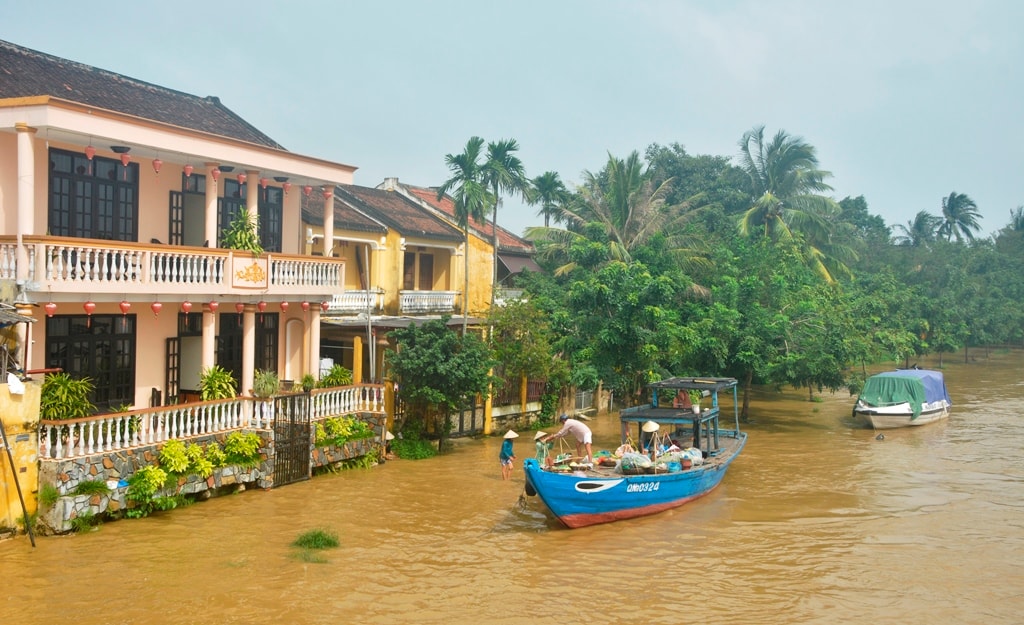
[(242, 234), (63, 397), (216, 382), (265, 384)]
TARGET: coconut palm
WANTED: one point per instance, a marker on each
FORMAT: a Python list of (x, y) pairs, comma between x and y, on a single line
[(548, 191), (471, 197), (918, 232), (502, 172), (959, 218), (787, 184)]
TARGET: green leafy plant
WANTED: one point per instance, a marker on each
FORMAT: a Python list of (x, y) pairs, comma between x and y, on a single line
[(143, 486), (243, 449), (91, 487), (317, 539), (215, 455), (307, 382), (337, 376), (48, 495), (339, 430), (241, 234), (64, 397), (216, 382), (85, 521), (265, 384), (177, 458), (413, 448)]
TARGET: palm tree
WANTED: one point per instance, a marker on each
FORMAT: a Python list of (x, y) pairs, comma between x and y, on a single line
[(959, 218), (471, 197), (918, 232), (550, 193), (502, 173), (787, 183)]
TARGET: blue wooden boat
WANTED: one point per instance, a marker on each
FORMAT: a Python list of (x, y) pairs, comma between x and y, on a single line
[(582, 495)]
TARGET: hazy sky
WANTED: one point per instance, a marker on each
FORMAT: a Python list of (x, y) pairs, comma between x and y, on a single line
[(904, 101)]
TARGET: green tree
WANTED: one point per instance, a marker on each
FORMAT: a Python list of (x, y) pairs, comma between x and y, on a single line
[(918, 232), (503, 172), (959, 218), (438, 372), (468, 188), (549, 192)]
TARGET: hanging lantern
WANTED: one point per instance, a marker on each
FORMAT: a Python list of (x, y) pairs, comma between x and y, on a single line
[(306, 190), (156, 306), (157, 164), (264, 182), (186, 307), (188, 170), (240, 307), (305, 306), (286, 186), (125, 159), (90, 152), (89, 307), (213, 305), (241, 178), (216, 174), (284, 307), (261, 306), (328, 192), (125, 307), (50, 308), (324, 306)]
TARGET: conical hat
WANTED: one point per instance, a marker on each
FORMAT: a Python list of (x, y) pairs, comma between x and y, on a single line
[(539, 435), (651, 426), (511, 434), (388, 436)]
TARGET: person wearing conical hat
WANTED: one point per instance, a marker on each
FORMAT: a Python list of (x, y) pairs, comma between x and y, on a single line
[(543, 449), (507, 456)]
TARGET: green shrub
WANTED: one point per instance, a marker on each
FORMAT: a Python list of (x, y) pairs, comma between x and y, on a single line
[(91, 487), (173, 458), (48, 495), (265, 384), (413, 448), (317, 539), (337, 376), (339, 430), (65, 397), (143, 485), (85, 521), (215, 455), (216, 382), (243, 449)]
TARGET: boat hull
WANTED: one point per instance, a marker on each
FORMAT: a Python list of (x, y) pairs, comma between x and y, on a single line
[(888, 418), (581, 499)]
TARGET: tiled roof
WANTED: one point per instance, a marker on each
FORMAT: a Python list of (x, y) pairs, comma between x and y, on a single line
[(398, 213), (26, 73), (345, 216), (506, 240)]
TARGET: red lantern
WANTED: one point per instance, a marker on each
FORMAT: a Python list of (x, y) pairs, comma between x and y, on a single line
[(324, 306), (305, 306), (90, 152), (284, 307), (240, 307), (213, 305), (186, 307), (241, 178), (306, 190), (125, 306), (263, 183), (188, 170), (261, 306), (328, 192), (157, 164), (125, 159), (215, 173), (50, 308), (286, 186), (89, 307), (156, 306)]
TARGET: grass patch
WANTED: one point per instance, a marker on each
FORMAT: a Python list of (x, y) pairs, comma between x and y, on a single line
[(317, 539), (91, 487), (48, 495)]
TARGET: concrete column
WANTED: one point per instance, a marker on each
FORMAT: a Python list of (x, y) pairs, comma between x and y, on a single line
[(26, 195), (357, 359), (252, 193), (209, 337), (314, 340), (248, 349), (328, 194), (212, 192)]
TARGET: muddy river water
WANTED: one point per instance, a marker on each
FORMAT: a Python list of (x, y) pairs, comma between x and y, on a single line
[(817, 521)]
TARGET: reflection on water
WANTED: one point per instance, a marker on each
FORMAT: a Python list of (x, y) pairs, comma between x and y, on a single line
[(818, 521)]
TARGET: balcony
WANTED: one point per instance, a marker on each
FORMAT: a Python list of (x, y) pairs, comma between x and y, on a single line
[(426, 302), (356, 302), (90, 266)]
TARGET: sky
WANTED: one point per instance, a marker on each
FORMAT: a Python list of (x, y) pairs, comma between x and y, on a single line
[(905, 101)]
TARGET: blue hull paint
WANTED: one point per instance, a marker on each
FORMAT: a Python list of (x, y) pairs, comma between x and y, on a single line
[(579, 500)]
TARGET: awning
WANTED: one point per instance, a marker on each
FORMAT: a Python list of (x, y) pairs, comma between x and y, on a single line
[(516, 264), (8, 317)]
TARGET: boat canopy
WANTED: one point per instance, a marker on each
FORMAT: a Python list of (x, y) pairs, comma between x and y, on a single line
[(914, 386)]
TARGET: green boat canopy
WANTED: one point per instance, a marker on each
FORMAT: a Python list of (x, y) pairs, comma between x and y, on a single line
[(914, 386)]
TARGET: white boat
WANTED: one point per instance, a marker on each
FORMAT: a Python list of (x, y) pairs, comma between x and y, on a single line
[(903, 398)]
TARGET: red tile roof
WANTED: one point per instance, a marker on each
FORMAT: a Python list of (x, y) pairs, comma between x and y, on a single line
[(397, 212), (506, 240), (26, 73)]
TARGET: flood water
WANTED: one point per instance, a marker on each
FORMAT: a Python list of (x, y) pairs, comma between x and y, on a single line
[(817, 521)]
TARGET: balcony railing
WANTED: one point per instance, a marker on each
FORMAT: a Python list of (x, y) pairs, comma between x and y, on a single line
[(105, 433), (419, 302), (355, 302), (61, 264)]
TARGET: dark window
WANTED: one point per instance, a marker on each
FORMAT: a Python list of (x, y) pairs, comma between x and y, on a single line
[(229, 343), (100, 347), (425, 276), (95, 199)]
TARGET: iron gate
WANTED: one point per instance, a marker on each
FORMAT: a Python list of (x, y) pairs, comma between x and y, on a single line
[(292, 439)]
